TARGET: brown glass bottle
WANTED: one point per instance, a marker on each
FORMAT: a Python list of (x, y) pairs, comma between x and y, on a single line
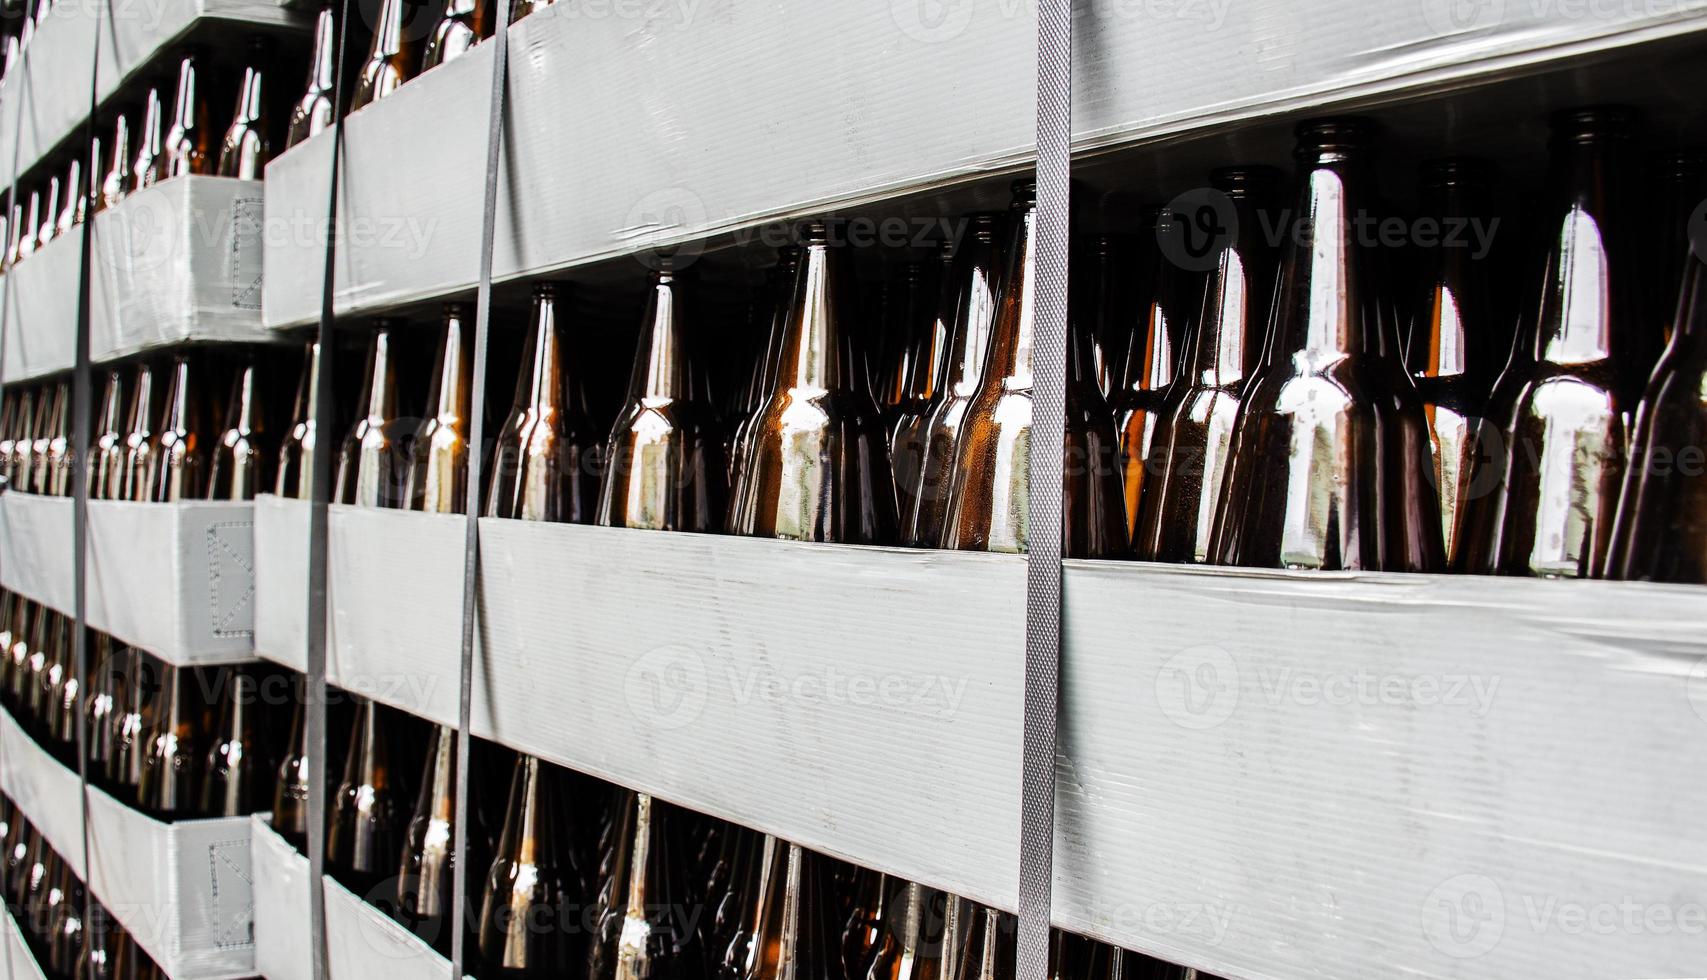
[(76, 203), (1330, 455), (1189, 450), (49, 226), (391, 60), (149, 166), (315, 110), (54, 476), (1680, 185), (427, 869), (64, 695), (95, 954), (233, 780), (987, 950), (438, 475), (176, 748), (664, 466), (14, 233), (365, 832), (105, 704), (464, 24), (989, 487), (910, 305), (188, 142), (117, 181), (1550, 457), (1151, 359), (1453, 352), (248, 142), (1660, 533), (64, 923), (373, 463), (244, 453), (22, 434), (296, 454), (10, 409), (818, 467), (922, 389), (781, 291), (895, 933), (641, 929), (538, 883), (141, 442), (106, 462), (27, 242), (293, 781), (144, 682), (545, 465), (795, 934), (181, 466)]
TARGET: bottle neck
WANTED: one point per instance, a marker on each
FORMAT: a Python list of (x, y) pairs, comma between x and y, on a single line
[(1323, 269), (452, 390), (1012, 339), (1575, 321), (382, 384), (184, 109), (322, 66), (249, 101), (543, 379), (660, 371), (388, 39), (812, 360)]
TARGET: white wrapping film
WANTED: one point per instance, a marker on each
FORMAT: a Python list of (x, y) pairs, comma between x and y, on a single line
[(20, 962), (177, 580), (281, 580), (182, 890), (132, 34), (363, 943), (281, 904), (1356, 775), (834, 104), (177, 262)]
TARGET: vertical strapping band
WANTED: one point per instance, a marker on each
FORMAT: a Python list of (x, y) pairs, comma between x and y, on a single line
[(1043, 573)]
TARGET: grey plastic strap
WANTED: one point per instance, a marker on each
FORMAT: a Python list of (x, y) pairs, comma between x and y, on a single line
[(314, 689), (80, 419), (1043, 577), (477, 444)]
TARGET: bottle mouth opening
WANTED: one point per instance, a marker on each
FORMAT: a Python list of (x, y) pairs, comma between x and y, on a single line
[(1344, 134), (544, 290), (1024, 191), (1593, 123), (1456, 171), (1244, 178)]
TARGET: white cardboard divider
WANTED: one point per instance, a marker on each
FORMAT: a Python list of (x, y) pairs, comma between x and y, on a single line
[(281, 581), (174, 579), (20, 960), (1262, 774), (913, 99), (363, 943), (283, 943), (177, 262), (1339, 776), (52, 88), (182, 890)]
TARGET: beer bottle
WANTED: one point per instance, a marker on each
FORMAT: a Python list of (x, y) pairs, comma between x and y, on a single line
[(248, 144), (187, 145), (22, 434), (988, 953), (1151, 359), (794, 936), (143, 688), (49, 226), (1328, 466), (175, 755), (54, 478), (365, 835), (105, 705), (65, 931), (391, 60), (181, 470), (530, 909), (545, 465), (438, 474), (464, 24), (989, 487), (244, 453), (106, 465), (315, 110), (1660, 533), (1550, 457), (763, 382), (76, 203), (1452, 353), (1680, 179), (425, 878), (149, 167), (296, 455), (900, 937), (117, 181), (95, 957), (27, 241), (819, 462), (9, 407), (233, 776), (926, 363), (1188, 452), (906, 320), (141, 443), (664, 466), (641, 930), (373, 464)]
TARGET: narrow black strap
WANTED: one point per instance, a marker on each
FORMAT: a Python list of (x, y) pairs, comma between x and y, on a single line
[(320, 479), (477, 443), (1043, 577)]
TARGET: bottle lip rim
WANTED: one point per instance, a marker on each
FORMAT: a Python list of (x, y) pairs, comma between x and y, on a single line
[(1591, 122), (1335, 133)]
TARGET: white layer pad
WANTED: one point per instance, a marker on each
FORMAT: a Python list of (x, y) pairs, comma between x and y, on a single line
[(637, 124), (174, 263), (176, 580)]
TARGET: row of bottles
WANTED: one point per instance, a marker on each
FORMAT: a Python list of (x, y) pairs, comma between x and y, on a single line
[(176, 742), (72, 935), (203, 425), (202, 120), (1353, 428), (571, 877)]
